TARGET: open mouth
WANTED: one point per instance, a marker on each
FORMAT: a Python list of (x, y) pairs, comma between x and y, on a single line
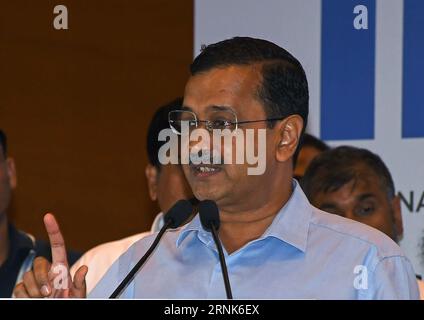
[(205, 170)]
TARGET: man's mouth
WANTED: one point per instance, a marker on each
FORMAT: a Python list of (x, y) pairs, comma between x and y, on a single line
[(204, 170)]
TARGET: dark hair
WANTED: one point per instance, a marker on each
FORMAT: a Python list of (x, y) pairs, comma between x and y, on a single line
[(3, 142), (284, 87), (332, 169), (308, 140), (158, 123), (312, 141)]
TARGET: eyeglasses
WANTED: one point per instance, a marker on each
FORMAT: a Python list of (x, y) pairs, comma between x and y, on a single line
[(220, 120)]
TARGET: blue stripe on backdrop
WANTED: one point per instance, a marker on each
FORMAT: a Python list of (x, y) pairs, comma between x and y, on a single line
[(413, 70), (347, 72)]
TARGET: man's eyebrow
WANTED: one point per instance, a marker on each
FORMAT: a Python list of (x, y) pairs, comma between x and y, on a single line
[(212, 108), (365, 196), (221, 108), (185, 108), (328, 205)]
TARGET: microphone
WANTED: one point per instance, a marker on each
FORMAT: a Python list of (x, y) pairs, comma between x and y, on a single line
[(174, 218), (209, 217)]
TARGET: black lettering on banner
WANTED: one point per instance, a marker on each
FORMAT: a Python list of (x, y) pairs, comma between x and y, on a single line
[(410, 203)]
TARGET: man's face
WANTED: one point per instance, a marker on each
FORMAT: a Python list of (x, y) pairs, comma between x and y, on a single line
[(233, 88), (168, 185), (305, 157), (364, 200), (7, 182)]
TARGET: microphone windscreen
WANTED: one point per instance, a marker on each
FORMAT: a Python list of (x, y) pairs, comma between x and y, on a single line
[(179, 213), (209, 214)]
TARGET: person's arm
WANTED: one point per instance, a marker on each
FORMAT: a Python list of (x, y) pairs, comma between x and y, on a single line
[(52, 280), (100, 258)]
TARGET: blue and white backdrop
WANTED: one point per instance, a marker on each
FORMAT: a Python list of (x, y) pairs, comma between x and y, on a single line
[(365, 64)]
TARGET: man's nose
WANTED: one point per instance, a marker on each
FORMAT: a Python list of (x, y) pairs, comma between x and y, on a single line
[(200, 139)]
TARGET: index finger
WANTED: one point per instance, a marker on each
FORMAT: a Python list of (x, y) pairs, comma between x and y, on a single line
[(56, 240)]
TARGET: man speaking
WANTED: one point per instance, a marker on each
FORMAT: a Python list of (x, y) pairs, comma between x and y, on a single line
[(276, 245)]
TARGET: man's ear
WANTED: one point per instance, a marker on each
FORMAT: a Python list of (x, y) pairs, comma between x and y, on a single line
[(289, 131), (152, 181), (11, 172), (397, 215)]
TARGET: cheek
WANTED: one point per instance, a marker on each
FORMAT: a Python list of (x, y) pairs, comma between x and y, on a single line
[(186, 170), (180, 188), (5, 193), (4, 182), (226, 147), (384, 217), (377, 220), (236, 176)]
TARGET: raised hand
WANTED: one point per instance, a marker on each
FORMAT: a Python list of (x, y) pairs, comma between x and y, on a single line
[(52, 280)]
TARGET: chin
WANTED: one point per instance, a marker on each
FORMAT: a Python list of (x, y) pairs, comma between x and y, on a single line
[(205, 193)]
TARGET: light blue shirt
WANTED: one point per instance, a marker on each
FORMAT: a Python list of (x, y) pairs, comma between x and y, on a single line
[(305, 253)]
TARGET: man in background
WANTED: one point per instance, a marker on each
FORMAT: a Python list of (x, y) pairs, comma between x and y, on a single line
[(166, 184), (310, 147), (17, 248), (355, 183)]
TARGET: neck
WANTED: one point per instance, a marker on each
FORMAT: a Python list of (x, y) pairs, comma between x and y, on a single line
[(239, 228), (4, 238)]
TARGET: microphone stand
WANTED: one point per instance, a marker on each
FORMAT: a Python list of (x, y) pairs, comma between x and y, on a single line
[(140, 263), (222, 262)]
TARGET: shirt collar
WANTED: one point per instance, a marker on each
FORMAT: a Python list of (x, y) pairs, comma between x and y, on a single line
[(291, 224), (193, 226), (157, 223)]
